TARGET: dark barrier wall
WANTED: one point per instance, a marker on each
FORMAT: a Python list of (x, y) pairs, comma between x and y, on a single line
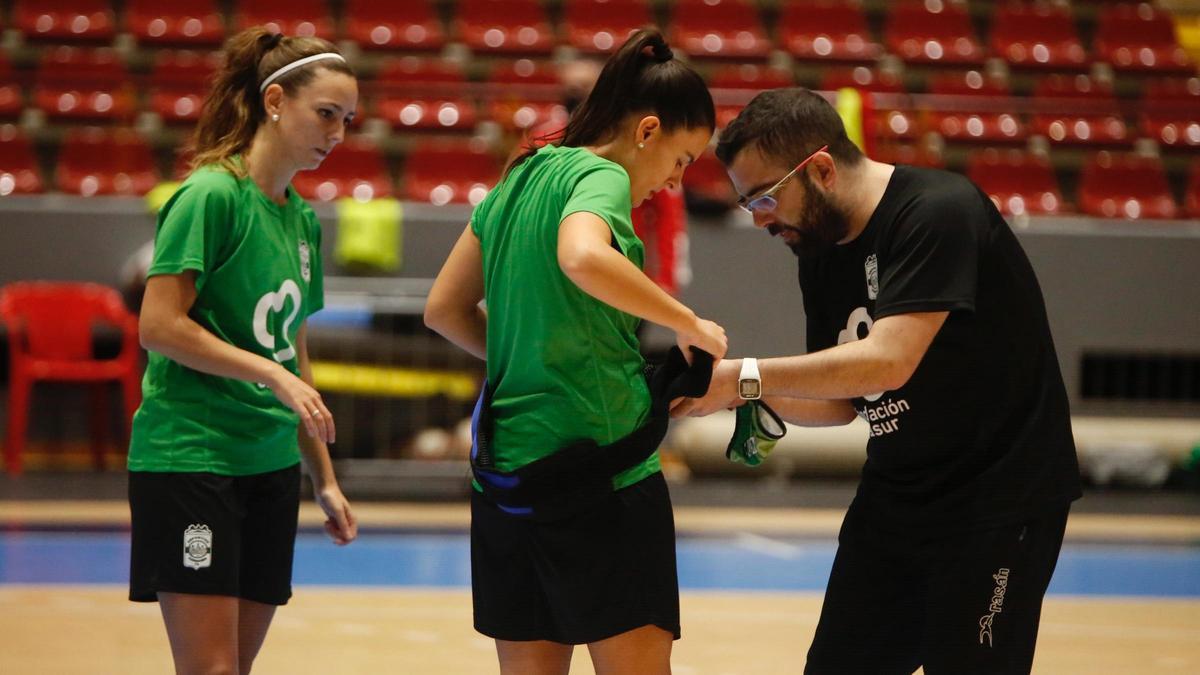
[(1110, 286)]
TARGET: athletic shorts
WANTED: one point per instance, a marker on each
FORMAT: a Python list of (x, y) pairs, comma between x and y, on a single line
[(208, 534), (968, 603), (599, 573)]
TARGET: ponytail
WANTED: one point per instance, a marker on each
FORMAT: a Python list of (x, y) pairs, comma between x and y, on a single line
[(234, 107), (643, 76)]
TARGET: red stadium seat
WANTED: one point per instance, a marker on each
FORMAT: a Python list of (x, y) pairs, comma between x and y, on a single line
[(1170, 112), (913, 154), (18, 164), (65, 20), (412, 25), (526, 93), (1037, 35), (1192, 199), (936, 31), (84, 84), (355, 169), (1139, 38), (442, 173), (718, 28), (182, 22), (884, 122), (290, 17), (508, 26), (1076, 109), (95, 161), (734, 86), (1125, 186), (600, 26), (423, 94), (706, 185), (830, 30), (179, 82), (959, 119), (1017, 182), (11, 100)]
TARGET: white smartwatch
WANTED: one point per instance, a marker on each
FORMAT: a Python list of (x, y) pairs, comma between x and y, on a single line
[(749, 382)]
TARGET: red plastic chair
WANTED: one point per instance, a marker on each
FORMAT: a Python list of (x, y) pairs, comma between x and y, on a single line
[(1075, 109), (84, 84), (442, 173), (827, 30), (179, 83), (956, 120), (734, 86), (49, 327), (95, 161), (1192, 198), (18, 164), (1171, 112), (505, 26), (601, 26), (423, 95), (719, 28), (524, 93), (1037, 35), (923, 154), (305, 18), (411, 25), (355, 169), (1140, 38), (65, 20), (884, 123), (11, 100), (707, 185), (1125, 186), (1017, 182), (937, 31), (180, 22)]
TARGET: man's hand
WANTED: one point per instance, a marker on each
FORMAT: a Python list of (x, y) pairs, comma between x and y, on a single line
[(722, 393)]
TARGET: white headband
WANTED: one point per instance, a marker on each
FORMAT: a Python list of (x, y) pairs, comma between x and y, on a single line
[(296, 64)]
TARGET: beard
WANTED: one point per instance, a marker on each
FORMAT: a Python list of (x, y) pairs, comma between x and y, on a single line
[(822, 225)]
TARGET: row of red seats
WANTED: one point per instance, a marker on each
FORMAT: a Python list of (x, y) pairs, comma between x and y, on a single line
[(98, 162), (1130, 37), (430, 94)]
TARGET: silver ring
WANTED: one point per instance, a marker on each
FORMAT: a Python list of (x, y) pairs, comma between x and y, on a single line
[(316, 413)]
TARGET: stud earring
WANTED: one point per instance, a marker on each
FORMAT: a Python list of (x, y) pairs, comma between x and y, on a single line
[(275, 117), (641, 146)]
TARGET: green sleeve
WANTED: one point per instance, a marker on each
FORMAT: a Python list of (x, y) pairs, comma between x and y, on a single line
[(604, 191), (194, 225)]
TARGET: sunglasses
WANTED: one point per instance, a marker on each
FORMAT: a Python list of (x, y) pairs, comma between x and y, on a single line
[(765, 202)]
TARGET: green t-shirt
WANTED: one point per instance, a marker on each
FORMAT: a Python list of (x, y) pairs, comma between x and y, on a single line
[(562, 365), (258, 276)]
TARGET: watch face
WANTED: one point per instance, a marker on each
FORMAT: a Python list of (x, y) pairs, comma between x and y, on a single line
[(749, 389)]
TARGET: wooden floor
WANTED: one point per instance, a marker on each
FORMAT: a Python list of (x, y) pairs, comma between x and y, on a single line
[(90, 630)]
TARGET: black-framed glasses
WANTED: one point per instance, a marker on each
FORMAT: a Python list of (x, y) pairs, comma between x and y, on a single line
[(766, 202)]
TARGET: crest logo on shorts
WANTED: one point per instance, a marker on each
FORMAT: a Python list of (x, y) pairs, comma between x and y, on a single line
[(197, 547), (872, 266), (305, 261)]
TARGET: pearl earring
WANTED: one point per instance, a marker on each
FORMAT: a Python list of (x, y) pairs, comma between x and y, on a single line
[(641, 146), (275, 117)]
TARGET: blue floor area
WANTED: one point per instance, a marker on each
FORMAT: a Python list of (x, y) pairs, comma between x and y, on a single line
[(742, 563)]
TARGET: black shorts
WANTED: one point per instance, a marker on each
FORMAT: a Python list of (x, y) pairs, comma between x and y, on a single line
[(208, 534), (967, 603), (596, 574)]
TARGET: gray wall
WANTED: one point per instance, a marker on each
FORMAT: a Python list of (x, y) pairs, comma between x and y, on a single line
[(1108, 284)]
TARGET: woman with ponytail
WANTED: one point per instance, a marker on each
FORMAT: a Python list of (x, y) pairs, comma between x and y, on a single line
[(552, 252), (229, 410)]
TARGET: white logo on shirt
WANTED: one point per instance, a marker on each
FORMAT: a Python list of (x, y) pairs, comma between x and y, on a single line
[(305, 262), (274, 302), (197, 547), (872, 266), (858, 318)]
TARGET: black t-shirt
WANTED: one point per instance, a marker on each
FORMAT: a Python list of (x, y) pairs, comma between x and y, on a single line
[(981, 433)]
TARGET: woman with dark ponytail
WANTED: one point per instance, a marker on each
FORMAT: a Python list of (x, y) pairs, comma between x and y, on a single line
[(229, 410), (552, 251)]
